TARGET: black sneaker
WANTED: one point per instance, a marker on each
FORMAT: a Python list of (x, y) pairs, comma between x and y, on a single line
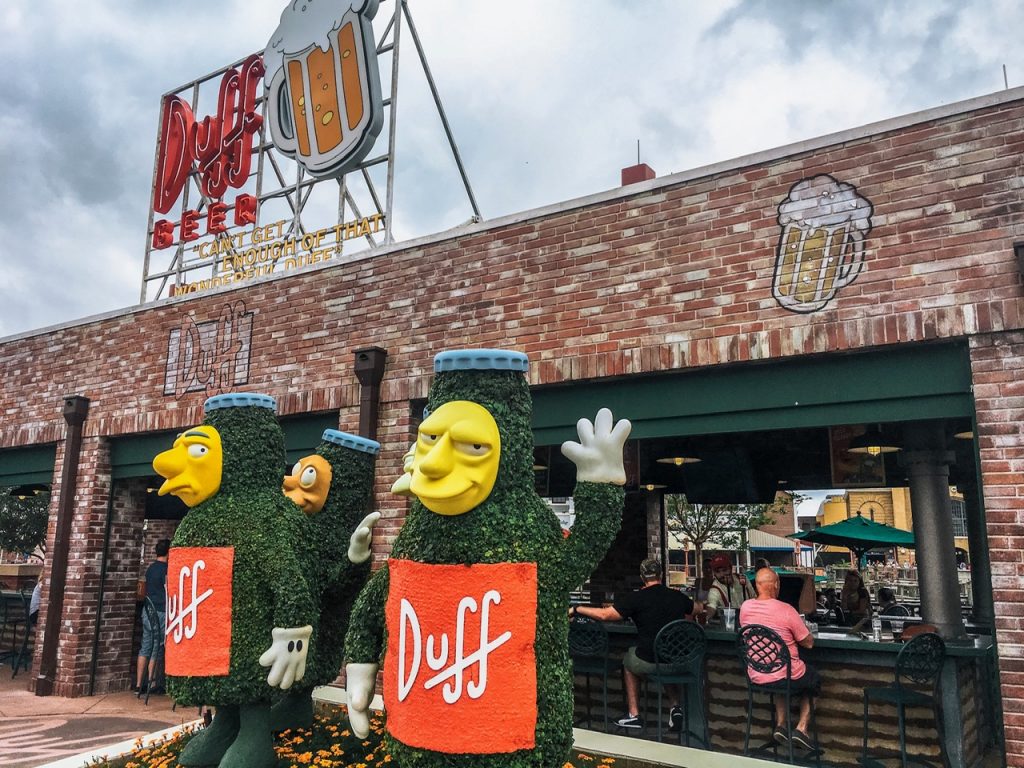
[(802, 740), (780, 736), (630, 721), (675, 718)]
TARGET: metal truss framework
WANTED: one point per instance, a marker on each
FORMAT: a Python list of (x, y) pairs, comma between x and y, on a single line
[(277, 177)]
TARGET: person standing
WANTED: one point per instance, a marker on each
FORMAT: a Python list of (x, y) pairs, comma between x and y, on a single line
[(35, 602), (650, 608), (728, 590), (768, 611), (153, 636), (855, 600)]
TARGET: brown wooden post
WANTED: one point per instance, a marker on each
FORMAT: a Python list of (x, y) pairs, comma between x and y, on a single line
[(76, 409)]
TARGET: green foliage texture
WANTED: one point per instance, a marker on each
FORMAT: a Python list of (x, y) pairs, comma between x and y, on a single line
[(23, 522), (269, 587), (512, 525)]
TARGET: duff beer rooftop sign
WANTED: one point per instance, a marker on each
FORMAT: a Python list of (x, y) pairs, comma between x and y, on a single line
[(324, 110)]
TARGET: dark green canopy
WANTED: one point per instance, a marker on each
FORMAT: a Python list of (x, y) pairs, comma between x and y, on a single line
[(859, 534)]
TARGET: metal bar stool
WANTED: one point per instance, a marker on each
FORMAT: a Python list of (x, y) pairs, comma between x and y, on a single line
[(679, 651), (763, 650), (15, 613), (24, 653), (588, 649), (918, 664)]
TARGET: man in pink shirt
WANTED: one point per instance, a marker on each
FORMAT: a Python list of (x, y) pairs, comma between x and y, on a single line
[(768, 611)]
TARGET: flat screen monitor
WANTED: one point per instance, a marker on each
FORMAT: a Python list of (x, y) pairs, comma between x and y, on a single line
[(797, 589)]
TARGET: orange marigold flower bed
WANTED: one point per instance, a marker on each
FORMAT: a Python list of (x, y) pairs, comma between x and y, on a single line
[(328, 744)]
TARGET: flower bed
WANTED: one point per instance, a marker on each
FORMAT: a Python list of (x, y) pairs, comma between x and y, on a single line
[(329, 744)]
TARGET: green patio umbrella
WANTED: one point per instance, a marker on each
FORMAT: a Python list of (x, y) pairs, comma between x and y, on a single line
[(859, 534)]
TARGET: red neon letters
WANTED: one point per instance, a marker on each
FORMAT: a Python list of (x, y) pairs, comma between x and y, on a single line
[(221, 145)]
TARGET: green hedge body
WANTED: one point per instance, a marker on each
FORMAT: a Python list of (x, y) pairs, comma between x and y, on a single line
[(512, 525), (332, 575), (269, 587)]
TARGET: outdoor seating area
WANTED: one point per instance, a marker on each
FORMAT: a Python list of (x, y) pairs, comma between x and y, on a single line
[(926, 699)]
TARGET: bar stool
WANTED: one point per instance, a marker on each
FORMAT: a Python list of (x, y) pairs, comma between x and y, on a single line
[(15, 613), (588, 649), (763, 650), (24, 652), (679, 650), (919, 663)]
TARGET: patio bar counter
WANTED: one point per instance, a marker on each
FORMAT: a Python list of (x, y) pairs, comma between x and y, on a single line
[(847, 665)]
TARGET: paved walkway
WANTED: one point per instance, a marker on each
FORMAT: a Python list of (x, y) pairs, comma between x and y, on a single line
[(36, 730)]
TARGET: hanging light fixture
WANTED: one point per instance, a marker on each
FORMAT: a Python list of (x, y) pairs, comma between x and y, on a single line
[(967, 434), (873, 442), (678, 460), (652, 486), (23, 492)]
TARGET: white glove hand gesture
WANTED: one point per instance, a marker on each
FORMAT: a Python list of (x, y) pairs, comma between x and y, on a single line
[(598, 454), (286, 656), (359, 682), (402, 486), (362, 537)]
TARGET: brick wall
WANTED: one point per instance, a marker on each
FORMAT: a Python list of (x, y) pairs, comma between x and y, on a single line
[(996, 362), (677, 275)]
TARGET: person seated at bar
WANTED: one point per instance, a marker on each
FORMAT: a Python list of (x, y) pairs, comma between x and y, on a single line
[(650, 608), (729, 589), (855, 600), (768, 611), (702, 584), (886, 600)]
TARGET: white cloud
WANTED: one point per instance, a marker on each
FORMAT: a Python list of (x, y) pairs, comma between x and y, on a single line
[(546, 101)]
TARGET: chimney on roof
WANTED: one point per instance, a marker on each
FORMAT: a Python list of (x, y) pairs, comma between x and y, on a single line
[(636, 173)]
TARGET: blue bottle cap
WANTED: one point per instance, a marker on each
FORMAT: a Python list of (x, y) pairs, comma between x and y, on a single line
[(355, 442), (481, 360), (240, 400)]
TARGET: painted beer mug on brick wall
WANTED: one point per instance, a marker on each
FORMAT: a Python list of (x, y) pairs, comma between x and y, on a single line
[(824, 225), (324, 97)]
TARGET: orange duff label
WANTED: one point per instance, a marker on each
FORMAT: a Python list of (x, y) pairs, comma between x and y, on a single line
[(461, 650), (198, 642)]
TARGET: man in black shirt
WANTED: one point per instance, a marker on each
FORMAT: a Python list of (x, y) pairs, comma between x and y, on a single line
[(650, 608)]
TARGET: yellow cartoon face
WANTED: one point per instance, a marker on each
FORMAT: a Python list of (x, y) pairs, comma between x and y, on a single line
[(192, 467), (309, 483), (456, 459)]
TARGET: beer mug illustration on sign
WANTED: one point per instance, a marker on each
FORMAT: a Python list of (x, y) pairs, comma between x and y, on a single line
[(821, 249), (323, 88)]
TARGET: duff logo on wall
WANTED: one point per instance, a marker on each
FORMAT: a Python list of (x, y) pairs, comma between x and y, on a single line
[(821, 249), (211, 356), (461, 649)]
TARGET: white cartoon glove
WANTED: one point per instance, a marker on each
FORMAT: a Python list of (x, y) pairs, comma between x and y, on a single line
[(362, 537), (402, 486), (286, 656), (598, 454), (359, 682)]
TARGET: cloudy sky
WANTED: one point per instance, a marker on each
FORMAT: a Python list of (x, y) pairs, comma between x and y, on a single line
[(546, 99)]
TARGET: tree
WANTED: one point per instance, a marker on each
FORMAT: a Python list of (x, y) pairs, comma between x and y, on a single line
[(725, 523), (23, 523)]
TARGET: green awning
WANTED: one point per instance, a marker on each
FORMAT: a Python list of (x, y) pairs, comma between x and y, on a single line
[(27, 466), (905, 383)]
